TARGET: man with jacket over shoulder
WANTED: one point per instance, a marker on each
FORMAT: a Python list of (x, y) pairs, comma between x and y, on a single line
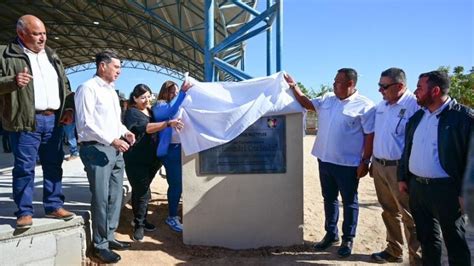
[(34, 93), (432, 168)]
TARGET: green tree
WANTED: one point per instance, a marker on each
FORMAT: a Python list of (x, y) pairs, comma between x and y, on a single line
[(310, 93), (462, 85)]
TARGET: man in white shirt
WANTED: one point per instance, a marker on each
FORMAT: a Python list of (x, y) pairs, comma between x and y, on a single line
[(103, 138), (36, 99), (343, 147), (391, 116), (432, 169)]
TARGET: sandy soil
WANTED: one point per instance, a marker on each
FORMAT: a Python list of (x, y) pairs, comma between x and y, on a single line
[(165, 247)]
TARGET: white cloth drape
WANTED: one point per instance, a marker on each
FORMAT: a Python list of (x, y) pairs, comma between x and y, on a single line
[(215, 113)]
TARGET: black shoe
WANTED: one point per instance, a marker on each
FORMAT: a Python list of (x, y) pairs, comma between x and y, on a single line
[(138, 233), (345, 250), (106, 255), (119, 245), (148, 226), (384, 257), (326, 242)]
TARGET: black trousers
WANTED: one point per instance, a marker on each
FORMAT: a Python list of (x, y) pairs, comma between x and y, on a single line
[(140, 177), (435, 209), (6, 143)]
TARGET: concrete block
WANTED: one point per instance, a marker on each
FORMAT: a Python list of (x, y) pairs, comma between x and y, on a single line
[(241, 211)]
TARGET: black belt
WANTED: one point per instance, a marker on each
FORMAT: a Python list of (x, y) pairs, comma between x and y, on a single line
[(387, 162), (428, 180), (46, 112), (86, 143)]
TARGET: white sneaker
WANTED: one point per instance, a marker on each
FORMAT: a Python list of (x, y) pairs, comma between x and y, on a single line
[(174, 223)]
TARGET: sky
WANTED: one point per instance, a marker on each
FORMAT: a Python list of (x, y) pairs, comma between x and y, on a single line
[(322, 36)]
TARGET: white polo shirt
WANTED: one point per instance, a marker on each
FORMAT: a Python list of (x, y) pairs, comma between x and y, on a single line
[(390, 122), (341, 128), (424, 156), (98, 112), (45, 80)]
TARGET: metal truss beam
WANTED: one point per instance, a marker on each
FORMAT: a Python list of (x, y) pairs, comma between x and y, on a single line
[(219, 59)]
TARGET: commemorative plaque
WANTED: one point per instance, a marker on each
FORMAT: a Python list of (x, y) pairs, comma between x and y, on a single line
[(261, 148)]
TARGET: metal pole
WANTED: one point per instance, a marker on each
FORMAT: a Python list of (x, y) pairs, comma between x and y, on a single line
[(269, 44), (279, 35), (209, 28)]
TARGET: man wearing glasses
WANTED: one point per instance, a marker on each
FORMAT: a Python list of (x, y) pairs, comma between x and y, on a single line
[(432, 169), (391, 116)]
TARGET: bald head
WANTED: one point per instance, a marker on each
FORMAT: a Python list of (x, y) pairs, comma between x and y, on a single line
[(32, 32)]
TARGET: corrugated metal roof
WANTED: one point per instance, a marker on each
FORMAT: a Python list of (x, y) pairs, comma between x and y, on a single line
[(163, 36)]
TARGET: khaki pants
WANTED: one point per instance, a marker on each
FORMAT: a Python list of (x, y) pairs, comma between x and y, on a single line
[(396, 213)]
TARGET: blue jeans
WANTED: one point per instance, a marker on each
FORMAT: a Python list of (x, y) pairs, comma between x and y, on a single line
[(46, 142), (174, 176), (69, 132), (334, 179)]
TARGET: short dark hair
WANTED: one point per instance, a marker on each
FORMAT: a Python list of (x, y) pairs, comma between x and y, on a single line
[(350, 74), (437, 78), (105, 56), (395, 74), (139, 90)]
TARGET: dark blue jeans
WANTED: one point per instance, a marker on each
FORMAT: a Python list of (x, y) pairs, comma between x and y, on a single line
[(45, 141), (174, 176), (334, 179)]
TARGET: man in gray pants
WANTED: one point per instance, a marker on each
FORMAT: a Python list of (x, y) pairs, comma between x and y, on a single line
[(103, 138)]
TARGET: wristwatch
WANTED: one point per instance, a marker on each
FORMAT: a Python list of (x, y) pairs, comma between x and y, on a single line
[(366, 161)]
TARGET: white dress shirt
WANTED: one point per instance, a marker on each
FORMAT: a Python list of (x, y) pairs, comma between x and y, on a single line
[(424, 156), (45, 80), (390, 122), (98, 112), (341, 128)]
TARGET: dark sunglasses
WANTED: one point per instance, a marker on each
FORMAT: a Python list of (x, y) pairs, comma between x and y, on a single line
[(385, 87)]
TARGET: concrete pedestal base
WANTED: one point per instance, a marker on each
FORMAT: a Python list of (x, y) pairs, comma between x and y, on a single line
[(242, 211)]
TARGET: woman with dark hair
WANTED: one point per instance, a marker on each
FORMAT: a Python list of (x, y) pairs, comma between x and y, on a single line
[(141, 163), (169, 146)]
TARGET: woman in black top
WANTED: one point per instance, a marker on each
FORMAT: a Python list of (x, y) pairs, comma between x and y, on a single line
[(141, 162)]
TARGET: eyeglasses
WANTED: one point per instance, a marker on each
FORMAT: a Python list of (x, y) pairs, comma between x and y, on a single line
[(385, 87)]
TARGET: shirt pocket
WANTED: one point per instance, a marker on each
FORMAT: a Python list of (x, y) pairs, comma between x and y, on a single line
[(399, 125), (350, 121)]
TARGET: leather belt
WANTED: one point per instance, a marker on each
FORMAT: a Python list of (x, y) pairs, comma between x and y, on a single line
[(428, 180), (86, 143), (387, 162), (46, 112)]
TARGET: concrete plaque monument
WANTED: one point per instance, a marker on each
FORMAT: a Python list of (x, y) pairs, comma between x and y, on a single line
[(247, 193)]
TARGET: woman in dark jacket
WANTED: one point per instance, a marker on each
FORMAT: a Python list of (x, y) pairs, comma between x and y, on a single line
[(141, 163)]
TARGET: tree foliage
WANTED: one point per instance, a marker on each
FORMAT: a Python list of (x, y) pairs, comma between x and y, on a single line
[(462, 85), (310, 93)]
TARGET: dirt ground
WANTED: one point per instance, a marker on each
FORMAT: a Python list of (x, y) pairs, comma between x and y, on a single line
[(165, 247)]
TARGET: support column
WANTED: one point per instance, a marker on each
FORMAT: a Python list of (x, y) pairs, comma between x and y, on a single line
[(279, 35), (269, 44), (209, 41)]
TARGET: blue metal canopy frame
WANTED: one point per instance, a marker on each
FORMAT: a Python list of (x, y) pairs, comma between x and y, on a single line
[(204, 37), (214, 63)]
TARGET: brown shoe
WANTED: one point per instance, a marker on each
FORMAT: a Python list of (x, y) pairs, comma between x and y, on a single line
[(72, 157), (61, 213), (24, 222)]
